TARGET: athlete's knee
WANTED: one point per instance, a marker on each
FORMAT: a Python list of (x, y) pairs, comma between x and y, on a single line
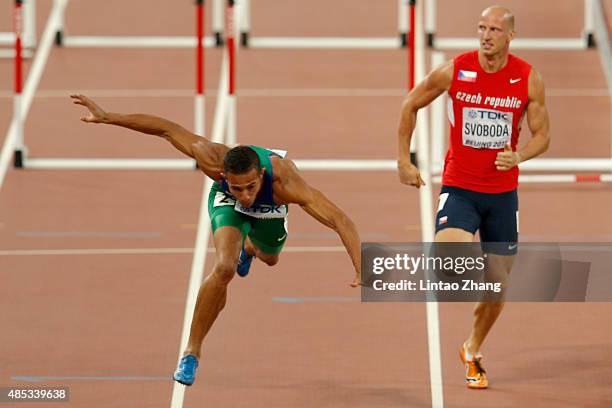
[(268, 259), (224, 271), (453, 235)]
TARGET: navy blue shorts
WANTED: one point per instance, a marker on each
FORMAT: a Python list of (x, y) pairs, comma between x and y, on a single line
[(495, 215)]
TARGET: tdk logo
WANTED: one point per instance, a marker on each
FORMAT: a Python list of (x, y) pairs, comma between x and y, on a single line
[(263, 209), (487, 114)]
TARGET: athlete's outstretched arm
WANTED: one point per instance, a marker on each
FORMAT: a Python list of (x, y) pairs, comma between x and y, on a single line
[(434, 84), (293, 189), (537, 119), (209, 155)]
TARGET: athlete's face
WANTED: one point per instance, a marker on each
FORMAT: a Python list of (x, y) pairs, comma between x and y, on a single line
[(245, 186), (494, 32)]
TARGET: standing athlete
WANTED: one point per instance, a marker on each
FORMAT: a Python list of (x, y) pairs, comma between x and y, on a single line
[(490, 91), (248, 206)]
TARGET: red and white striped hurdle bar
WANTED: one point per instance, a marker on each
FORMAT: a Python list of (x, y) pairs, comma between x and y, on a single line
[(230, 33), (17, 111), (200, 97), (557, 178)]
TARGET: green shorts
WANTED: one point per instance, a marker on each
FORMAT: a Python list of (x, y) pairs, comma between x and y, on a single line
[(267, 234)]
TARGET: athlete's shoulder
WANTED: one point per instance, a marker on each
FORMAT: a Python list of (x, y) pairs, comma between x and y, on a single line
[(282, 169), (468, 57), (518, 60), (288, 185), (442, 75), (536, 85), (519, 65)]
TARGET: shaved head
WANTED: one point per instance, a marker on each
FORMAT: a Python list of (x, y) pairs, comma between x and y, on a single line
[(499, 12), (495, 31)]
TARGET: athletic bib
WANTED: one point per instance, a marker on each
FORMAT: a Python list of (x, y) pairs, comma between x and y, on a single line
[(263, 211), (486, 128)]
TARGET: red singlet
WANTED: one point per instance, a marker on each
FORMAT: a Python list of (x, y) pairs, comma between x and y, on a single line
[(485, 112)]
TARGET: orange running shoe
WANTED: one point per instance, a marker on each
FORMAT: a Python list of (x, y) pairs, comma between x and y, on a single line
[(475, 375)]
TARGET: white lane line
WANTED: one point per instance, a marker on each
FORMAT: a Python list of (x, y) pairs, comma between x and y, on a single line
[(203, 233), (427, 221)]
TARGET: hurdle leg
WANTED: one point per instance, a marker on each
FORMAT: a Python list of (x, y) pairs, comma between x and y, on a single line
[(402, 23), (245, 22), (218, 11)]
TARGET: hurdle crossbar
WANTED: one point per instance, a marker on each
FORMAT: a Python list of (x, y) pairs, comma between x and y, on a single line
[(563, 44), (556, 178), (325, 42), (134, 42), (11, 54), (535, 165)]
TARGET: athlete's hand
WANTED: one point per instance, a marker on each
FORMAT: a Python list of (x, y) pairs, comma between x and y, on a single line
[(95, 115), (507, 159), (409, 174)]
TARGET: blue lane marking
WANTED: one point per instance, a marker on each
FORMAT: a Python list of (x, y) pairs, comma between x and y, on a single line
[(316, 299), (85, 234), (35, 378)]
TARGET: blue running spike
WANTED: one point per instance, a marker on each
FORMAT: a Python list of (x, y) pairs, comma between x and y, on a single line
[(185, 372), (244, 263)]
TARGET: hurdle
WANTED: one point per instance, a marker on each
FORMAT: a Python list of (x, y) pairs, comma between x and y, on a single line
[(579, 43), (62, 39), (217, 39), (24, 14), (278, 42), (17, 114), (55, 26)]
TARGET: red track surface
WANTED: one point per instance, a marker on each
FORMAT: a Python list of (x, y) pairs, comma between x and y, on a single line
[(121, 315)]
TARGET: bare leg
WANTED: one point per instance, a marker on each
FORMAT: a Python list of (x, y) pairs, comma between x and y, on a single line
[(487, 312), (213, 292), (251, 249)]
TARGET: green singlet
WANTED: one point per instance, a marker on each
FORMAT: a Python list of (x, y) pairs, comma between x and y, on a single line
[(265, 222)]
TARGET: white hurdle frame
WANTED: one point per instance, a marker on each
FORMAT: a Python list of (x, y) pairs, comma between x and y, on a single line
[(102, 41), (218, 20), (7, 39), (519, 43), (233, 24), (217, 39), (290, 42)]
